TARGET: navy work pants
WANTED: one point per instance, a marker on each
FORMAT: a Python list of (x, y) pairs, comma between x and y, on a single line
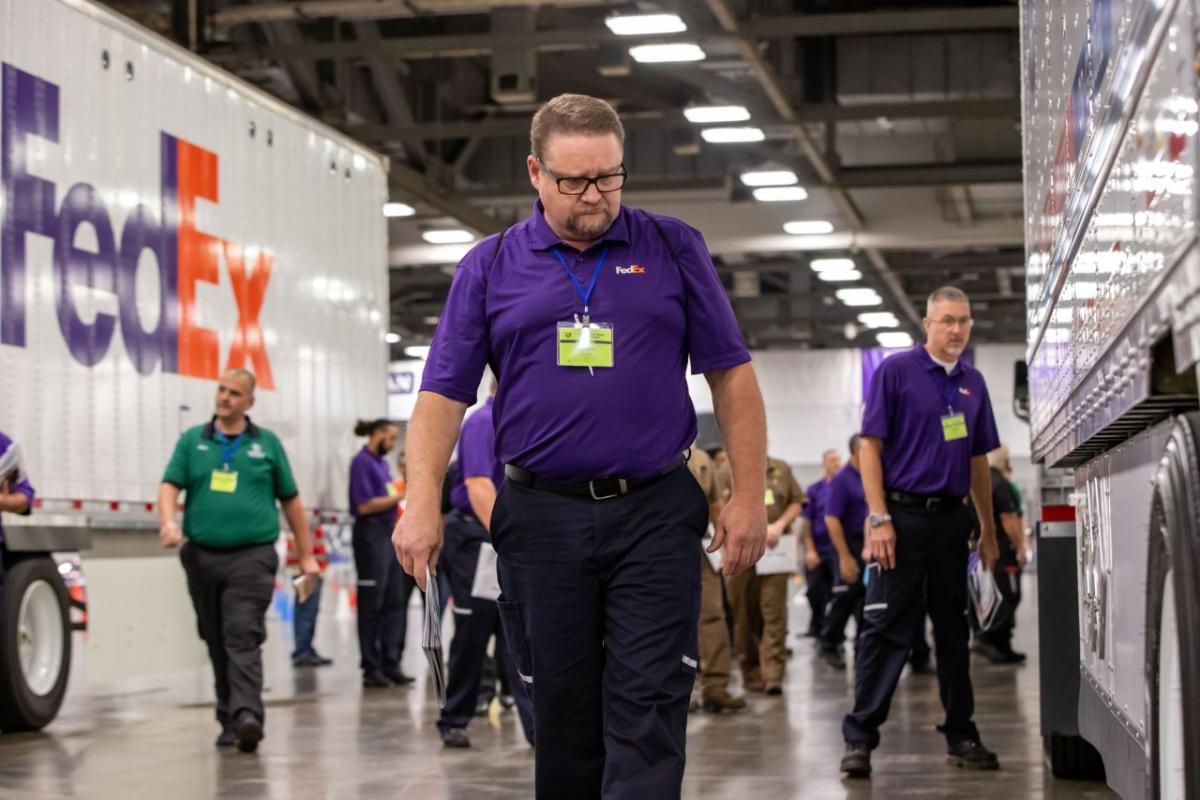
[(476, 620), (930, 573), (819, 585), (383, 591), (846, 602), (600, 603), (304, 621)]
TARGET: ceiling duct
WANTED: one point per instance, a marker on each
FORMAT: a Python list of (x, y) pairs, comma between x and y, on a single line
[(514, 69)]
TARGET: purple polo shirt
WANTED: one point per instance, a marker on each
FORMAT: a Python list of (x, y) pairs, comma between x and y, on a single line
[(666, 303), (814, 512), (909, 395), (10, 462), (369, 478), (476, 456), (848, 503)]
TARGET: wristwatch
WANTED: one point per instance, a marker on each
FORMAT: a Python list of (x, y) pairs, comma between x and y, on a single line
[(875, 520)]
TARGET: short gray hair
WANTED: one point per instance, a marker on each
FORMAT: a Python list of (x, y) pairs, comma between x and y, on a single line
[(245, 374), (573, 113), (951, 293)]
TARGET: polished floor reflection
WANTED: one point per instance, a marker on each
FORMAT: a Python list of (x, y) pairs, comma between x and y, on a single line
[(326, 738)]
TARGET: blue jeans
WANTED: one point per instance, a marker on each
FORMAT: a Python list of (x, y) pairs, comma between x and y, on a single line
[(304, 621)]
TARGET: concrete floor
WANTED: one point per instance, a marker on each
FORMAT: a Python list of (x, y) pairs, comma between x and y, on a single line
[(327, 739)]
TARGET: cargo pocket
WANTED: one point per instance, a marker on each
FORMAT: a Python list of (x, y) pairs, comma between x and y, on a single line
[(875, 604), (514, 636)]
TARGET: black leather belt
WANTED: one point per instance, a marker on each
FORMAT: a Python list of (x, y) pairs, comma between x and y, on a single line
[(925, 502), (598, 489)]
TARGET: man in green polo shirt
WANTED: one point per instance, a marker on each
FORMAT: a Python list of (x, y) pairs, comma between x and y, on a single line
[(232, 472)]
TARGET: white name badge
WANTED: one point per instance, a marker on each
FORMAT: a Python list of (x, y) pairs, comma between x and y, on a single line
[(780, 560), (486, 585)]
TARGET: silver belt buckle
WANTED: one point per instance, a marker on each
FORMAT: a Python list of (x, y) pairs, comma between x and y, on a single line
[(624, 489)]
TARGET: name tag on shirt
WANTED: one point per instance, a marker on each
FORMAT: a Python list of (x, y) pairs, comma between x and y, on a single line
[(588, 345), (954, 427), (223, 481), (770, 497)]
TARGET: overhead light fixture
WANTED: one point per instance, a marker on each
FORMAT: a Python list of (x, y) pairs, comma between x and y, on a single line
[(391, 338), (645, 24), (417, 351), (448, 236), (894, 339), (839, 275), (823, 264), (859, 297), (879, 319), (667, 53), (732, 135), (780, 194), (431, 320), (708, 115), (398, 210), (808, 227), (769, 177)]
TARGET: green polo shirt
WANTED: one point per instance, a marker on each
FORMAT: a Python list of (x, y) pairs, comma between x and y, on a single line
[(245, 516)]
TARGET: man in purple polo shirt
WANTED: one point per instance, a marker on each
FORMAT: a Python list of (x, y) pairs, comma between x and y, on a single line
[(927, 429), (383, 588), (818, 553), (845, 512), (16, 492), (588, 313), (476, 619)]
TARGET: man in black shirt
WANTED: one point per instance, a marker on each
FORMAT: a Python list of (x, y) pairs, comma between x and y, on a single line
[(995, 644)]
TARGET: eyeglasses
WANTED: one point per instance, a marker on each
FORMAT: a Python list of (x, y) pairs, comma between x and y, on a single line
[(950, 322), (570, 185)]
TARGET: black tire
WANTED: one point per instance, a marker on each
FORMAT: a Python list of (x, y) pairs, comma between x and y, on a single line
[(1072, 758), (1175, 550), (20, 708)]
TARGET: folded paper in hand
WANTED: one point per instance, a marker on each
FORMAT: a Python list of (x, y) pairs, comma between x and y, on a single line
[(431, 639), (985, 596)]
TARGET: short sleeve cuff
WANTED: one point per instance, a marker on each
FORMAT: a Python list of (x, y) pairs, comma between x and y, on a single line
[(450, 391), (724, 362), (874, 431), (988, 446), (171, 480), (283, 498)]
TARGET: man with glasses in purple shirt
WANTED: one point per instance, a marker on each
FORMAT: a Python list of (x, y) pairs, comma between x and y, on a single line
[(927, 429), (588, 313)]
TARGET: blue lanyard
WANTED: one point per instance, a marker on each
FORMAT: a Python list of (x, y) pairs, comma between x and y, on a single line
[(584, 294), (228, 448), (949, 389)]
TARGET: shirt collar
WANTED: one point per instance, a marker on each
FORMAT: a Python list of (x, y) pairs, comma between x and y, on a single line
[(543, 237), (367, 449), (210, 430), (932, 365)]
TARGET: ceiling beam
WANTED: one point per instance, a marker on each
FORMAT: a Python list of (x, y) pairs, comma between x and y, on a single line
[(929, 174), (307, 10), (406, 183), (882, 22)]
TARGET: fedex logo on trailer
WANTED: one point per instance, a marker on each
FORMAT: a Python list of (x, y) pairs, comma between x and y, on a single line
[(176, 344)]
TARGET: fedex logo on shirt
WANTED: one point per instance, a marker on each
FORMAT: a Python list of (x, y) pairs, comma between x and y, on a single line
[(184, 255), (964, 390), (632, 269)]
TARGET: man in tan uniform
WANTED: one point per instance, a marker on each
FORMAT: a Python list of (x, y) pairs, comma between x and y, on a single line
[(760, 601), (716, 660)]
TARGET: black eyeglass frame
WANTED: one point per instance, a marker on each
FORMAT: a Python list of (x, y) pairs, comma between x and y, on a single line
[(558, 180)]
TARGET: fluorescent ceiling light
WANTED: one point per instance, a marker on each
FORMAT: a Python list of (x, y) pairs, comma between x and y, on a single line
[(859, 297), (398, 210), (448, 236), (391, 338), (780, 194), (707, 115), (417, 351), (732, 135), (839, 275), (666, 53), (431, 320), (769, 177), (894, 339), (879, 319), (823, 264), (641, 24), (808, 226)]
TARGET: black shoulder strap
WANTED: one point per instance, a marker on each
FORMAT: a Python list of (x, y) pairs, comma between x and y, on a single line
[(499, 244), (658, 226)]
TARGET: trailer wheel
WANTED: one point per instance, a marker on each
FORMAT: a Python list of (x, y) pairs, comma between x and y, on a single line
[(35, 644), (1072, 758), (1173, 619)]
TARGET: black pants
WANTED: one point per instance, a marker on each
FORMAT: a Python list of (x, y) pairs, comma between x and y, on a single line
[(383, 592), (819, 584), (475, 622), (600, 604), (231, 590), (846, 602), (930, 573), (1007, 573)]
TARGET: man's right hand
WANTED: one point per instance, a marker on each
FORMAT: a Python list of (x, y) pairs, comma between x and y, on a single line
[(742, 530), (169, 534), (882, 541), (849, 568), (418, 542), (812, 559)]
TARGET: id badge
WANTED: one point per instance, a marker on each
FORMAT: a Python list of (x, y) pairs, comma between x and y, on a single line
[(588, 345), (770, 499), (223, 481), (954, 427)]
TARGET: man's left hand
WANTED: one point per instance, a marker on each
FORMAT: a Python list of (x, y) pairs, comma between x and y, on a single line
[(989, 550), (774, 534), (309, 566)]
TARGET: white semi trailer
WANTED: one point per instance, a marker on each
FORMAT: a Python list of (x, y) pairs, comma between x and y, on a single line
[(160, 221), (1110, 139)]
